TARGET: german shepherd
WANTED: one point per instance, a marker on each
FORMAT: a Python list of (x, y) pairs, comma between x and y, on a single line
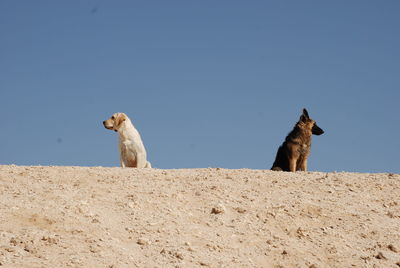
[(293, 153)]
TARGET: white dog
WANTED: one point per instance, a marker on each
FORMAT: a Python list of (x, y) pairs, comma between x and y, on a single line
[(131, 148)]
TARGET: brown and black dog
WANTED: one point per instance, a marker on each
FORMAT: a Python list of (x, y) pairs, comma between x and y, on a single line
[(293, 153)]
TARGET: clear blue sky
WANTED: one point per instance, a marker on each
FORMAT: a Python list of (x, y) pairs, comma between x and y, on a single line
[(206, 83)]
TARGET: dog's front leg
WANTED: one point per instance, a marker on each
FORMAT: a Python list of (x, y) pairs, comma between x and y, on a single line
[(122, 162), (292, 164), (303, 165)]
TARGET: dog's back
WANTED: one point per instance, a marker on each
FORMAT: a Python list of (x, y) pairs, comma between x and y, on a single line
[(292, 155)]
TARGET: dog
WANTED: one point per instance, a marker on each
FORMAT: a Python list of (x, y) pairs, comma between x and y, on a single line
[(131, 148), (292, 155)]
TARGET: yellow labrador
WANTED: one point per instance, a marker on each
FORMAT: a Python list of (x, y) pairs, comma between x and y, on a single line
[(131, 148)]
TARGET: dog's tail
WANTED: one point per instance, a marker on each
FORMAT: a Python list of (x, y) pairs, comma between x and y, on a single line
[(276, 169), (148, 165)]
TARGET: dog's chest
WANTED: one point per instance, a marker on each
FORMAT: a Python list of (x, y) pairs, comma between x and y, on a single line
[(303, 148), (127, 147)]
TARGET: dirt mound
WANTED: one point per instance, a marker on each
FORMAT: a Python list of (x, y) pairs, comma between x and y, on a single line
[(113, 217)]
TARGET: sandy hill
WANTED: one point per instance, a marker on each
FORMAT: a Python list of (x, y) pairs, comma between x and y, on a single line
[(114, 217)]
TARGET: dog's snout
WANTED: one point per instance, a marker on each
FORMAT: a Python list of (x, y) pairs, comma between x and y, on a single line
[(316, 130)]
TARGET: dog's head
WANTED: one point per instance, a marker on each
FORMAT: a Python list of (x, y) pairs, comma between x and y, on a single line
[(307, 123), (114, 123)]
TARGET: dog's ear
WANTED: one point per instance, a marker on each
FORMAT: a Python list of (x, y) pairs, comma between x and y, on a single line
[(304, 117), (120, 118), (306, 113)]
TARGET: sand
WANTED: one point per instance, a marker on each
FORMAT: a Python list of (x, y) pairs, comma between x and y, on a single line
[(114, 217)]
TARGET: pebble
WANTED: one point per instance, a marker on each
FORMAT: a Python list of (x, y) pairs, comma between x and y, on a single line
[(143, 242), (393, 248), (218, 209), (380, 256)]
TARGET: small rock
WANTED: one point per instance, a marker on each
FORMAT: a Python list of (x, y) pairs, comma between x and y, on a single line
[(142, 241), (284, 252), (380, 256), (129, 230), (240, 210), (29, 248), (94, 248), (50, 240), (219, 209), (9, 249), (393, 248), (13, 241), (75, 260), (390, 214), (300, 232), (179, 255)]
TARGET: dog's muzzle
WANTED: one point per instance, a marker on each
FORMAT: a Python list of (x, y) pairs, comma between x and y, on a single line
[(107, 127), (316, 130)]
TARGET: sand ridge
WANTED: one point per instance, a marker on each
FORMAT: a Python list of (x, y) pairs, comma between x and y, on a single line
[(213, 217)]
